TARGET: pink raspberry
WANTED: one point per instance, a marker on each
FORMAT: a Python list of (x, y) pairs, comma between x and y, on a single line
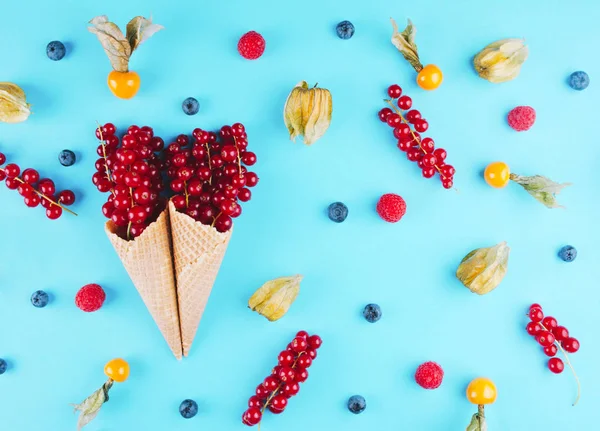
[(521, 118), (251, 45), (391, 207), (429, 375), (90, 298)]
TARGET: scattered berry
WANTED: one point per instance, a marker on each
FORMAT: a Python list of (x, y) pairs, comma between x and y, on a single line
[(55, 50), (337, 212), (90, 298), (395, 91), (556, 365), (39, 299), (391, 207), (251, 45), (357, 404), (579, 80), (429, 375), (568, 253), (372, 313), (67, 158), (190, 106), (3, 366), (521, 118), (345, 30), (188, 409)]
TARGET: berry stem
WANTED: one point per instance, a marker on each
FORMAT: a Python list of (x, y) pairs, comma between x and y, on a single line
[(209, 166), (481, 415), (238, 156), (108, 174), (570, 366)]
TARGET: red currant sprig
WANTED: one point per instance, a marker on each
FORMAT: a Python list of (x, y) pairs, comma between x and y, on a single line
[(283, 383), (553, 337), (36, 191), (422, 151)]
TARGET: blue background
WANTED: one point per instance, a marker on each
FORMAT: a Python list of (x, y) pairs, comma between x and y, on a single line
[(57, 354)]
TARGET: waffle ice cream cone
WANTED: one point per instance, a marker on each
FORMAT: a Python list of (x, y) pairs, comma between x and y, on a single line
[(198, 251), (149, 263)]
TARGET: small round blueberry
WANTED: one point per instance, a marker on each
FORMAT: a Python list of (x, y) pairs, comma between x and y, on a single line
[(190, 106), (3, 366), (67, 158), (188, 409), (357, 404), (372, 313), (39, 299), (568, 253), (579, 80), (337, 212), (345, 30), (56, 50)]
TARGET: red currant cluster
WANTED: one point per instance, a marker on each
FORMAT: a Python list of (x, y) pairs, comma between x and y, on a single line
[(131, 171), (36, 191), (283, 383), (422, 151), (552, 337), (209, 175)]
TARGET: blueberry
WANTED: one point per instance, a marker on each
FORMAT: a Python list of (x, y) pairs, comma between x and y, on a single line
[(568, 253), (345, 30), (338, 212), (3, 366), (188, 409), (372, 313), (56, 50), (357, 404), (67, 158), (39, 299), (579, 80), (190, 106)]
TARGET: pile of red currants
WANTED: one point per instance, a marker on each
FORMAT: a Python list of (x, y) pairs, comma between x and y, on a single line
[(283, 383), (417, 149), (36, 191)]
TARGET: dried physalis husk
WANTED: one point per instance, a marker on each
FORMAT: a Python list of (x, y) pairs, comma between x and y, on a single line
[(501, 61), (544, 190), (119, 47), (307, 112), (274, 298), (478, 423), (13, 106), (90, 407), (482, 270), (405, 42)]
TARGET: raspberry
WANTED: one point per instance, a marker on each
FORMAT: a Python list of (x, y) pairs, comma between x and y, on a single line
[(429, 375), (251, 45), (521, 118), (90, 298), (391, 207)]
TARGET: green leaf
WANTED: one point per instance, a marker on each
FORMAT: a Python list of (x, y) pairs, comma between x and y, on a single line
[(541, 188), (90, 407)]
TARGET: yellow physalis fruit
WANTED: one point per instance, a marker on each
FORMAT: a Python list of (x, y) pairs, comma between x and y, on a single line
[(482, 270), (429, 77), (13, 105), (117, 369), (118, 47), (274, 298), (501, 61), (307, 112), (497, 174), (481, 392)]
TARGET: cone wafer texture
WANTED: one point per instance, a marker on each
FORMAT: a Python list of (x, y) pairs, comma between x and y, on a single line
[(198, 251), (148, 261)]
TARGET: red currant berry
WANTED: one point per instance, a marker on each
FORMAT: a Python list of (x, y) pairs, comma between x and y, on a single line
[(404, 145), (428, 172), (571, 345), (261, 392), (545, 338), (244, 194), (137, 214), (429, 160), (252, 416), (179, 160), (47, 203), (421, 125), (12, 170), (182, 140), (46, 187), (533, 328), (394, 120), (414, 154), (185, 173), (394, 91), (413, 115), (534, 305), (302, 334), (217, 161), (129, 142), (286, 374), (404, 103), (223, 223), (384, 113), (137, 229), (286, 358), (299, 344), (238, 129), (32, 200), (226, 132), (141, 167), (229, 153), (53, 212), (439, 153), (133, 130), (30, 176), (132, 179), (304, 361), (249, 158), (143, 195), (108, 129), (279, 402), (448, 171), (111, 142), (107, 209), (556, 365), (66, 197), (314, 341), (2, 159), (2, 175), (549, 323), (251, 180), (254, 401), (157, 144), (312, 353), (551, 350), (535, 314), (290, 389), (561, 333), (271, 383), (301, 375), (119, 217), (179, 202), (228, 207), (402, 131), (24, 189)]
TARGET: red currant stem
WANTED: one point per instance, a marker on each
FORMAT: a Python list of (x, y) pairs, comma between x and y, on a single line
[(238, 155), (187, 196), (128, 231), (108, 175), (570, 366), (215, 219), (389, 102), (209, 167), (43, 196)]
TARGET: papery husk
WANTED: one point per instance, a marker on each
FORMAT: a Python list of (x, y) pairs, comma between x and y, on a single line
[(478, 423), (405, 43), (501, 61), (482, 270), (307, 112), (543, 189), (274, 298), (13, 104)]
